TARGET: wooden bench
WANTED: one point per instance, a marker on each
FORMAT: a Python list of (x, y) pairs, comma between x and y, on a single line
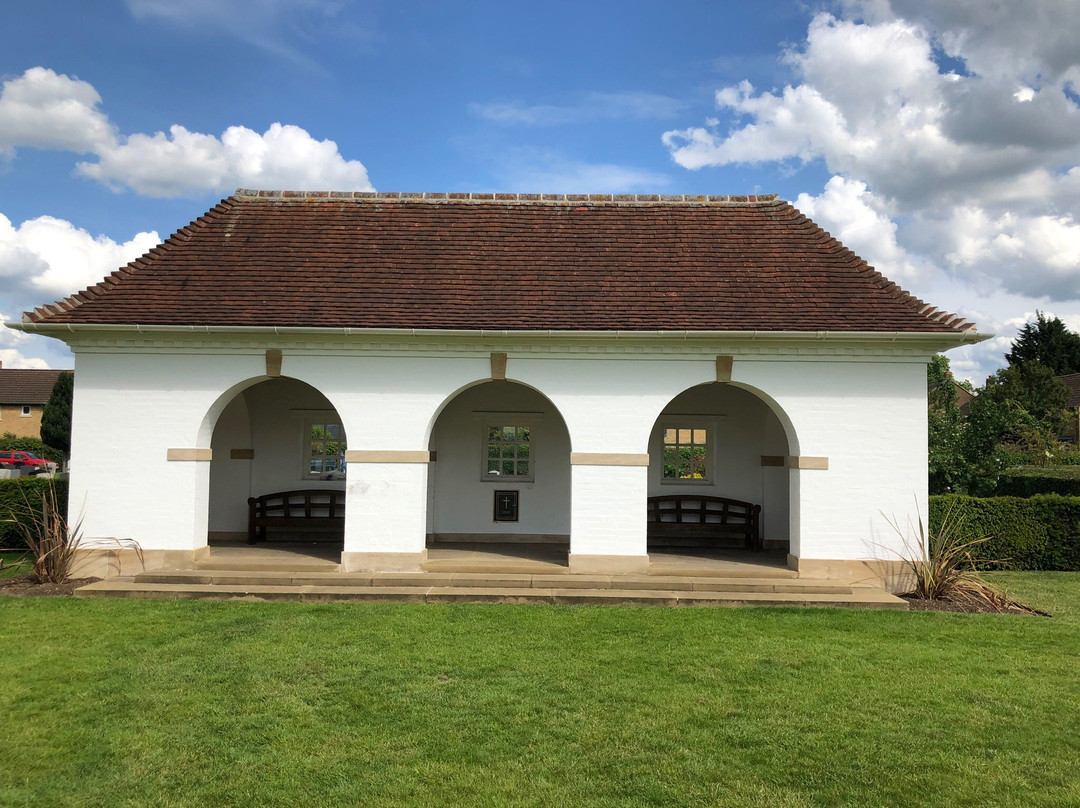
[(313, 510), (694, 520)]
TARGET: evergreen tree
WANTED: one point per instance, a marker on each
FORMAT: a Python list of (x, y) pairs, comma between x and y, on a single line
[(1048, 342), (1033, 387), (56, 417)]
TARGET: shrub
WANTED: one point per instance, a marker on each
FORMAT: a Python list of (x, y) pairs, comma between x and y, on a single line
[(1028, 481), (1026, 533), (10, 442), (20, 499)]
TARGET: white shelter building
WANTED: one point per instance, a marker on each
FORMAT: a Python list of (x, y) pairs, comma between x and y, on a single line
[(422, 352)]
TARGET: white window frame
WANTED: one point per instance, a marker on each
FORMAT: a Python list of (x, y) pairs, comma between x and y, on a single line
[(330, 418), (498, 420), (692, 424), (27, 410)]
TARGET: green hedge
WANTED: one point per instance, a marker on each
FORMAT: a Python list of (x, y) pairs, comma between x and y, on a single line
[(14, 495), (9, 441), (1032, 480), (1030, 533)]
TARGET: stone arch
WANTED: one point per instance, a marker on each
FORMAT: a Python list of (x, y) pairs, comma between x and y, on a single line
[(732, 441), (268, 435), (461, 485)]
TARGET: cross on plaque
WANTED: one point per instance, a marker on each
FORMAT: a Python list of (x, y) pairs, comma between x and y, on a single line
[(506, 506)]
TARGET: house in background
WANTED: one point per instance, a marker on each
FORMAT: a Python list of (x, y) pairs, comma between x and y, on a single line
[(23, 396), (578, 353)]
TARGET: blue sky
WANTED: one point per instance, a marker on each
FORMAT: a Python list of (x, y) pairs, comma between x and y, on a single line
[(934, 138)]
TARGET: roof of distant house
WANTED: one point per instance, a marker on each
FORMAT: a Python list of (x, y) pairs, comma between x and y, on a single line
[(27, 385), (1072, 381), (503, 262)]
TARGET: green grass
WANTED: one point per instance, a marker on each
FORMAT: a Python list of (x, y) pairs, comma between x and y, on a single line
[(125, 703), (15, 562)]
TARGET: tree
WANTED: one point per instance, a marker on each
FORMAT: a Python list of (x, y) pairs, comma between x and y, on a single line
[(1034, 387), (1048, 342), (947, 466), (56, 417)]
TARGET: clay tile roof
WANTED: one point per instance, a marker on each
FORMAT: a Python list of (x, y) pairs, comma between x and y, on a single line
[(503, 262), (26, 386), (1072, 381)]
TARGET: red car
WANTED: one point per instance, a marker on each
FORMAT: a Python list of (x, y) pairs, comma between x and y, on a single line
[(16, 460)]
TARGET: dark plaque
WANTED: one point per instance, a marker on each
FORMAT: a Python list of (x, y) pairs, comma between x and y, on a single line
[(506, 506)]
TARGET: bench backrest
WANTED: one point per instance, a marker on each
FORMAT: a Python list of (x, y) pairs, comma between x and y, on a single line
[(695, 509), (308, 504)]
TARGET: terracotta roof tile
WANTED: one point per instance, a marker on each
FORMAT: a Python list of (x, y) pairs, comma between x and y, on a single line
[(27, 385), (503, 261), (1072, 381)]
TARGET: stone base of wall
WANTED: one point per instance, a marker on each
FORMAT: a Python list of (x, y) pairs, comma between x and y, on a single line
[(108, 562), (382, 562), (892, 575), (608, 564), (227, 536)]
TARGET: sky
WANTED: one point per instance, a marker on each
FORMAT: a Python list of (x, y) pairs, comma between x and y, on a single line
[(938, 139)]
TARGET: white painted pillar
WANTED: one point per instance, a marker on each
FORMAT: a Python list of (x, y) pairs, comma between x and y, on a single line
[(385, 513), (607, 517)]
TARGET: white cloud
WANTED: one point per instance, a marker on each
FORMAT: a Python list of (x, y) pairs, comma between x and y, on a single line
[(1032, 39), (52, 258), (591, 106), (862, 223), (19, 350), (873, 105), (42, 109), (184, 162), (952, 129), (45, 110)]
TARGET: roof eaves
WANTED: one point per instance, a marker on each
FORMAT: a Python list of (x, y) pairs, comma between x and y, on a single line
[(42, 313), (898, 293)]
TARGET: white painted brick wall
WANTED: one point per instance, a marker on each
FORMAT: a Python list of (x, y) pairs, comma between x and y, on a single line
[(867, 417)]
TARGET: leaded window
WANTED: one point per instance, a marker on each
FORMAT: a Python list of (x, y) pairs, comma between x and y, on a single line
[(325, 450), (686, 453), (508, 452)]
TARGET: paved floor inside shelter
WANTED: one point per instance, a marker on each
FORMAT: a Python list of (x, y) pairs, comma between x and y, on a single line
[(538, 558)]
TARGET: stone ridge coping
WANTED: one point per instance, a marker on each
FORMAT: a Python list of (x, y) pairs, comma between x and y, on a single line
[(684, 199)]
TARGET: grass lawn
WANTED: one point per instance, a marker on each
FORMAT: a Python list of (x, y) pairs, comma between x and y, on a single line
[(113, 702), (15, 562)]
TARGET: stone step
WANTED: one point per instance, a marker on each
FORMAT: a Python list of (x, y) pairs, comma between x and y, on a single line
[(682, 569), (500, 566), (287, 565), (858, 597), (492, 580)]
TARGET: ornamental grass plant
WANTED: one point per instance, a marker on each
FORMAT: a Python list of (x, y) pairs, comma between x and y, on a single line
[(52, 541), (942, 565)]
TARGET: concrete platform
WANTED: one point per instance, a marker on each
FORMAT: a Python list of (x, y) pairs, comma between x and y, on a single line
[(491, 573), (711, 589), (857, 597)]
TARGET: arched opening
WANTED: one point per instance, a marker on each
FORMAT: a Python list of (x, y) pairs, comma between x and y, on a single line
[(501, 477), (277, 436), (720, 442)]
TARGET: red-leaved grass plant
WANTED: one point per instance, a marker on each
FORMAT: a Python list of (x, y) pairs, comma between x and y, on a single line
[(943, 567), (52, 541)]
